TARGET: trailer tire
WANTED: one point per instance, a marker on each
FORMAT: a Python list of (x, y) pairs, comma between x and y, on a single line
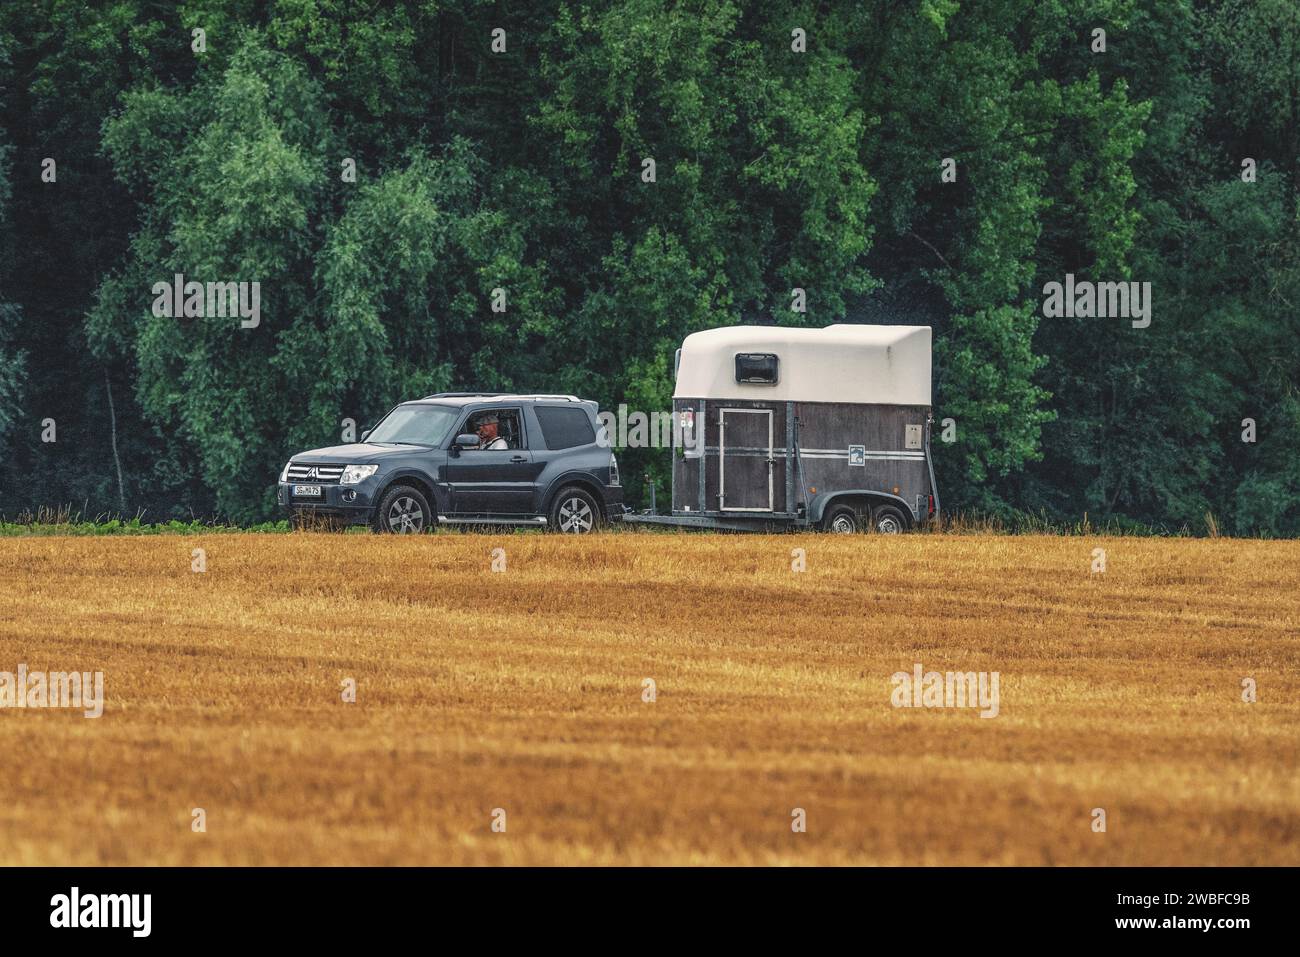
[(888, 520), (842, 520)]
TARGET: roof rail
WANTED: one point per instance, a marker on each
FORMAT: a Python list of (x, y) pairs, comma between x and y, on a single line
[(502, 395)]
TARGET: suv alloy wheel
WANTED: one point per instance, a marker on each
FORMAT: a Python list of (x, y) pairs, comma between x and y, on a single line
[(403, 511), (574, 512)]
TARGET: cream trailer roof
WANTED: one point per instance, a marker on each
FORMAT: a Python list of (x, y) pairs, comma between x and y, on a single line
[(889, 365)]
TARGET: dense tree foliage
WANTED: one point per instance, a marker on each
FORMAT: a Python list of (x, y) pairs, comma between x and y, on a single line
[(914, 161)]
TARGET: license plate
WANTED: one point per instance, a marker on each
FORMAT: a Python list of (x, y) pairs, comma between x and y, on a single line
[(307, 491)]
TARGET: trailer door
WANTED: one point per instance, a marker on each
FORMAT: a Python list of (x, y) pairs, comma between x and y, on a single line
[(745, 460)]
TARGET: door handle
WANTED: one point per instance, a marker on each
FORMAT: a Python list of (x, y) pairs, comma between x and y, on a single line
[(518, 458)]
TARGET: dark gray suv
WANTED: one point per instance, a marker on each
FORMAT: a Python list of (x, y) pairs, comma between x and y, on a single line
[(465, 458)]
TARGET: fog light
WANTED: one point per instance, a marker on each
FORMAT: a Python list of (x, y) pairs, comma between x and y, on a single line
[(350, 495)]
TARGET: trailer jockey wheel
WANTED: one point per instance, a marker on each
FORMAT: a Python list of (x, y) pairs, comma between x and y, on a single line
[(842, 520), (888, 520)]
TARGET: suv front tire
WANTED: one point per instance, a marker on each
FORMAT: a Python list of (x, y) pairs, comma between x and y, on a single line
[(403, 511)]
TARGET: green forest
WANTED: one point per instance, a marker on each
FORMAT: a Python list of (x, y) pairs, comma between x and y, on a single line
[(629, 172)]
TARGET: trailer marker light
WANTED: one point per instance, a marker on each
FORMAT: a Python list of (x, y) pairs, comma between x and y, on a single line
[(895, 489)]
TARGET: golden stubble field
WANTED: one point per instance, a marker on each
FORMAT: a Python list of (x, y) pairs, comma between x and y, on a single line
[(523, 690)]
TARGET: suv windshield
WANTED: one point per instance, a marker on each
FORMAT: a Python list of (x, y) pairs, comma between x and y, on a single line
[(415, 425)]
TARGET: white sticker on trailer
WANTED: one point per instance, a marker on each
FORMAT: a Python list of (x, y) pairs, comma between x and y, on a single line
[(858, 455)]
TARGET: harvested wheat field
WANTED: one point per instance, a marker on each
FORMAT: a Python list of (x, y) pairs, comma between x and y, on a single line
[(522, 690)]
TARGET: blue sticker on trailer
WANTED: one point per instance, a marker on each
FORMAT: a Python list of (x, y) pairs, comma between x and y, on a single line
[(858, 455)]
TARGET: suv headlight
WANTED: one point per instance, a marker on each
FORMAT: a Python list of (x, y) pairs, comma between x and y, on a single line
[(357, 473), (284, 472)]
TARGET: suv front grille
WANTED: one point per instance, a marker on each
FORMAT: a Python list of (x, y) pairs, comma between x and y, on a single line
[(317, 474)]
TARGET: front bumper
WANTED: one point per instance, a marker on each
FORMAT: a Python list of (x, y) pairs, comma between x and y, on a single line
[(351, 502)]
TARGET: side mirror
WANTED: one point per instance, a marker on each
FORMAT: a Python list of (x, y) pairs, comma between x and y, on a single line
[(467, 440), (365, 435)]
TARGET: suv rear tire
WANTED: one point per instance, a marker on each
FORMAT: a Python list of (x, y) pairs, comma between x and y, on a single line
[(574, 512), (403, 511)]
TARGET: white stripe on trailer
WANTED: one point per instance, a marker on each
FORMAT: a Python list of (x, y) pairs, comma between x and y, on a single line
[(824, 453), (873, 456)]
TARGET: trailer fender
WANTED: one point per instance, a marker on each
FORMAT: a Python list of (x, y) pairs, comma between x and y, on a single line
[(823, 500)]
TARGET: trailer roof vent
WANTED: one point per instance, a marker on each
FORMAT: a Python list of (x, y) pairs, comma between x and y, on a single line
[(757, 367)]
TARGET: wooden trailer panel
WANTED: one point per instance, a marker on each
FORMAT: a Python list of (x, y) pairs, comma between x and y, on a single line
[(744, 458), (876, 448), (879, 448)]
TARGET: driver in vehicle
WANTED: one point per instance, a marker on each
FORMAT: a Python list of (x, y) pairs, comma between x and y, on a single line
[(488, 437)]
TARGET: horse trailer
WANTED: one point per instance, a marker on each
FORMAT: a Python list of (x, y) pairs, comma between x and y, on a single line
[(779, 427)]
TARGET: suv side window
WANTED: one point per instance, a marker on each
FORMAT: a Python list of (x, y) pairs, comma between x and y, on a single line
[(509, 426), (564, 428)]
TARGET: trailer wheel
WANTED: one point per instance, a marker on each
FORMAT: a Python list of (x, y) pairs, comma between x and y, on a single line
[(888, 520), (842, 520)]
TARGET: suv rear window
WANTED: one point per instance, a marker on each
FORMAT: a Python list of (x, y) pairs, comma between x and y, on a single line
[(564, 428)]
